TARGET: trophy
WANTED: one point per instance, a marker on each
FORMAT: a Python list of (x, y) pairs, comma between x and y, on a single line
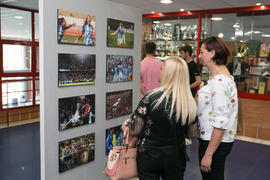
[(155, 28), (177, 31), (183, 30), (195, 32)]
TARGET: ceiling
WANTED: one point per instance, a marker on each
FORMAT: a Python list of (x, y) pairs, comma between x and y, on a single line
[(28, 4), (154, 5)]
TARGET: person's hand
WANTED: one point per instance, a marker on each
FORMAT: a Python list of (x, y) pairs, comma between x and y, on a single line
[(76, 40), (125, 125), (206, 163)]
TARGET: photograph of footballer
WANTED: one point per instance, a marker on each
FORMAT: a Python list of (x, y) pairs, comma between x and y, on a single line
[(118, 103), (76, 111), (114, 137), (120, 34), (76, 69), (76, 28), (119, 68), (76, 151)]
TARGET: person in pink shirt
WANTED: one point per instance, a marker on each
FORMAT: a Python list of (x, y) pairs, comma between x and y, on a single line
[(150, 69)]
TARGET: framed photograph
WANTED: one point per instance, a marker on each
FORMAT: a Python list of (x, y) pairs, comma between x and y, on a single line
[(264, 49), (76, 69), (120, 33), (76, 151), (76, 28), (114, 137), (118, 103), (119, 68), (76, 111)]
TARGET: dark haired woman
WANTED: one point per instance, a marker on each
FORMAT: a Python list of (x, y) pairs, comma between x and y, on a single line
[(217, 110), (62, 26)]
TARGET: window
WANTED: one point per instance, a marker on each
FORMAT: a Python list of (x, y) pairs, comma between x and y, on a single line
[(15, 24), (19, 77), (17, 58), (36, 27), (16, 92)]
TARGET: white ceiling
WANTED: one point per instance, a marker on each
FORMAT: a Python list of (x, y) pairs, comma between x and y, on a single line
[(28, 4), (154, 5)]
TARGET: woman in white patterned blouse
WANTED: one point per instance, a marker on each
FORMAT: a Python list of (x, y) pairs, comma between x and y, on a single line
[(217, 110)]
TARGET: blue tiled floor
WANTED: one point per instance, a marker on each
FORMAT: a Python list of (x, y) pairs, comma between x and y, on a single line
[(20, 157), (247, 161), (20, 152)]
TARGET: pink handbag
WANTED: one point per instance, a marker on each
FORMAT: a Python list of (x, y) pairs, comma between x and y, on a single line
[(121, 163)]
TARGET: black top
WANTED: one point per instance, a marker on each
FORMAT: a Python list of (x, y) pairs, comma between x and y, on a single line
[(193, 72), (161, 137)]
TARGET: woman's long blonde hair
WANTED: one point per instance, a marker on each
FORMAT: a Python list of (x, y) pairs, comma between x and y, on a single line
[(175, 81)]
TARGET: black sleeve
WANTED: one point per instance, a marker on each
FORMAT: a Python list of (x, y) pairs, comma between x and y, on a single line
[(138, 117), (195, 70)]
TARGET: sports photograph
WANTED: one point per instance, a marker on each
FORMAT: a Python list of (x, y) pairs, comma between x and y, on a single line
[(120, 34), (76, 111), (119, 68), (76, 69), (76, 28), (114, 137), (118, 103), (76, 151)]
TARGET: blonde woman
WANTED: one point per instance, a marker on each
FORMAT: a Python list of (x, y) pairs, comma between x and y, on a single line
[(160, 121)]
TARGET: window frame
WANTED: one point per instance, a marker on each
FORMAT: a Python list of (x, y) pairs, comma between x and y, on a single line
[(33, 74)]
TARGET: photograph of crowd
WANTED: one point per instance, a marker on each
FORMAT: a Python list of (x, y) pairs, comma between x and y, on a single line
[(76, 69), (76, 151), (120, 33), (118, 103), (76, 28), (76, 111), (119, 68), (114, 137)]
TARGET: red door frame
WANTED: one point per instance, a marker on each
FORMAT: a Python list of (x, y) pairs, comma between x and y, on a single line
[(33, 75)]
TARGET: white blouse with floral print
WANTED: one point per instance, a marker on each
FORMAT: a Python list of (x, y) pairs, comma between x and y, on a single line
[(218, 107)]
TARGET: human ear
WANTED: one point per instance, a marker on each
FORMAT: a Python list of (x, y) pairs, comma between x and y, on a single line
[(212, 53)]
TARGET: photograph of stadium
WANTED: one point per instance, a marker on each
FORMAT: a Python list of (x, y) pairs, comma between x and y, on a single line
[(76, 151), (76, 111), (119, 68), (120, 34), (76, 28), (76, 69), (114, 137), (118, 103)]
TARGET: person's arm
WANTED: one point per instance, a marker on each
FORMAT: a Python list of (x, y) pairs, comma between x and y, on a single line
[(79, 37), (143, 91), (216, 138), (124, 37), (114, 32), (195, 72), (70, 25), (221, 102), (135, 123), (196, 83)]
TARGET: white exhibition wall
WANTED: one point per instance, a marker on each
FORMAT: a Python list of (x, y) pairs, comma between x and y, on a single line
[(50, 92)]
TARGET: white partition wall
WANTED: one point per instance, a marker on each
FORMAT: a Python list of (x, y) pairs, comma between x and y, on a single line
[(50, 92)]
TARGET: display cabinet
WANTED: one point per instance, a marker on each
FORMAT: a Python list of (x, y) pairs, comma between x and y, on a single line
[(246, 31)]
